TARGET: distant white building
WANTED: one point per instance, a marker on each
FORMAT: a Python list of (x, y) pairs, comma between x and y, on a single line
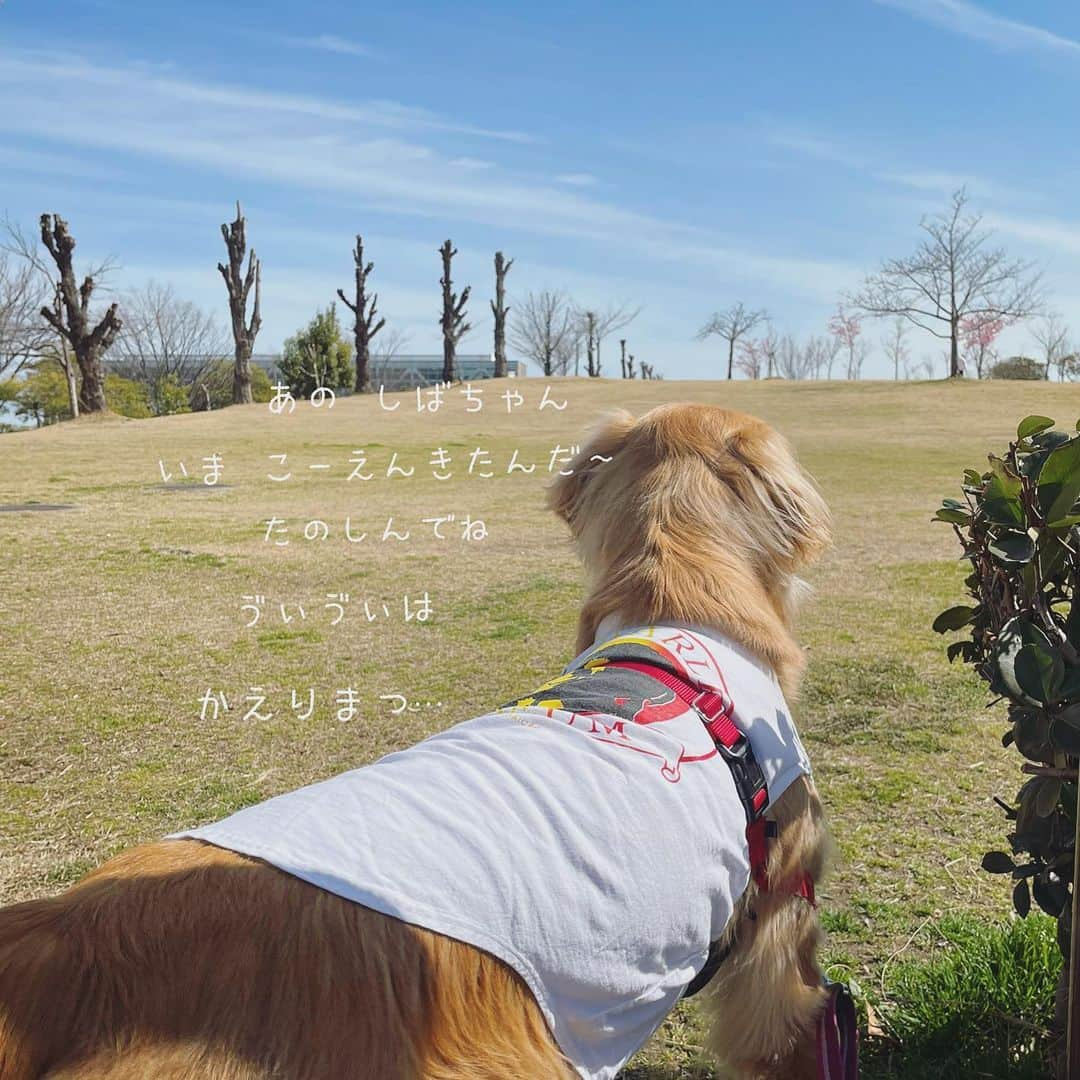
[(398, 373), (405, 372)]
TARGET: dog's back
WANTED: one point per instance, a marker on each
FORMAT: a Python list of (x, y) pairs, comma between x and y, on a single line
[(181, 960)]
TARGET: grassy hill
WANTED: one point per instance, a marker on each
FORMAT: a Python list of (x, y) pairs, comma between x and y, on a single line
[(119, 614)]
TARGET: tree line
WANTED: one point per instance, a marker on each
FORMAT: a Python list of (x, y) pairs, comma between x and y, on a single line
[(956, 286), (179, 356)]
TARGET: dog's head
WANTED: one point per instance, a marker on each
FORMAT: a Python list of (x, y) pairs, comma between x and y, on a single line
[(691, 512)]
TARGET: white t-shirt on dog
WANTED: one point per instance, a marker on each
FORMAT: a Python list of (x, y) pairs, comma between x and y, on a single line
[(596, 856)]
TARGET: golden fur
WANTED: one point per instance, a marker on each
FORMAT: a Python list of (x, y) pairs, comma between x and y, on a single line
[(182, 961)]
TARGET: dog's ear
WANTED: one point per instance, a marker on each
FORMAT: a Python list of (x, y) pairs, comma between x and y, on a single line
[(567, 493), (800, 520)]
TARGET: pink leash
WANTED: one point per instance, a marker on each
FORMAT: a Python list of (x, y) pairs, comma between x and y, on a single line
[(838, 1036)]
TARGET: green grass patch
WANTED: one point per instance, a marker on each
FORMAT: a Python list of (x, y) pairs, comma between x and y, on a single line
[(515, 614), (979, 1006), (283, 640), (884, 701), (168, 556)]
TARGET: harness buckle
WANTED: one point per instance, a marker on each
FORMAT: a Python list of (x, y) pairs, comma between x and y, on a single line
[(732, 745), (749, 779)]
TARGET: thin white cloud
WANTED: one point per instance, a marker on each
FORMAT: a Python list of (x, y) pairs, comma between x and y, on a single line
[(938, 181), (974, 22), (326, 145), (18, 159), (65, 68), (576, 179), (332, 43), (471, 163), (816, 147), (1048, 233)]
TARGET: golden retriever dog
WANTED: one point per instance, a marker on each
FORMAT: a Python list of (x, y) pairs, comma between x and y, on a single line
[(181, 959)]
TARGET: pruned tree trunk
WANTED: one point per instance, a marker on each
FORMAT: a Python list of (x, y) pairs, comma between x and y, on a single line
[(239, 283), (72, 389), (499, 310), (592, 369), (630, 366), (70, 317), (364, 311), (452, 320), (622, 356), (66, 361)]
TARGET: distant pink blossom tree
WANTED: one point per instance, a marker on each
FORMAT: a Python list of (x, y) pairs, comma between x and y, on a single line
[(751, 357), (846, 329), (978, 334)]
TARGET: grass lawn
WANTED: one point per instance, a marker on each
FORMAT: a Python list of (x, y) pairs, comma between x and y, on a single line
[(119, 614)]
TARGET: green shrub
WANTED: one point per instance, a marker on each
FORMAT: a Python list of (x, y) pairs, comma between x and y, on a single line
[(171, 396), (317, 356), (43, 395), (1018, 367), (1017, 524), (218, 382), (126, 396)]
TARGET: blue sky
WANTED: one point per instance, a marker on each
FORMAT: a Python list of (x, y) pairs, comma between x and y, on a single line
[(676, 156)]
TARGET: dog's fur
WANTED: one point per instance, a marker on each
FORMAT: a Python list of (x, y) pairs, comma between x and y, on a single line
[(181, 960)]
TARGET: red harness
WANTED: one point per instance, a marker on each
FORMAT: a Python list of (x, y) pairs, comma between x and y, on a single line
[(837, 1029), (715, 709)]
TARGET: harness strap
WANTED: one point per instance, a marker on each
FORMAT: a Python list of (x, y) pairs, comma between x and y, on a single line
[(717, 955), (837, 1031), (716, 709)]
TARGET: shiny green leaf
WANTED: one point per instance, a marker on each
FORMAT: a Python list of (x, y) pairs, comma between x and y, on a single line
[(1032, 425)]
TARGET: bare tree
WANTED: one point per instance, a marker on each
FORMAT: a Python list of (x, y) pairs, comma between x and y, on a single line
[(1068, 363), (952, 275), (1052, 336), (732, 325), (751, 358), (452, 319), (834, 345), (818, 353), (630, 366), (608, 322), (166, 336), (622, 357), (239, 283), (391, 345), (894, 345), (70, 315), (795, 361), (27, 250), (857, 357), (770, 343), (499, 310), (364, 311), (23, 333), (587, 330), (925, 367), (543, 330)]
